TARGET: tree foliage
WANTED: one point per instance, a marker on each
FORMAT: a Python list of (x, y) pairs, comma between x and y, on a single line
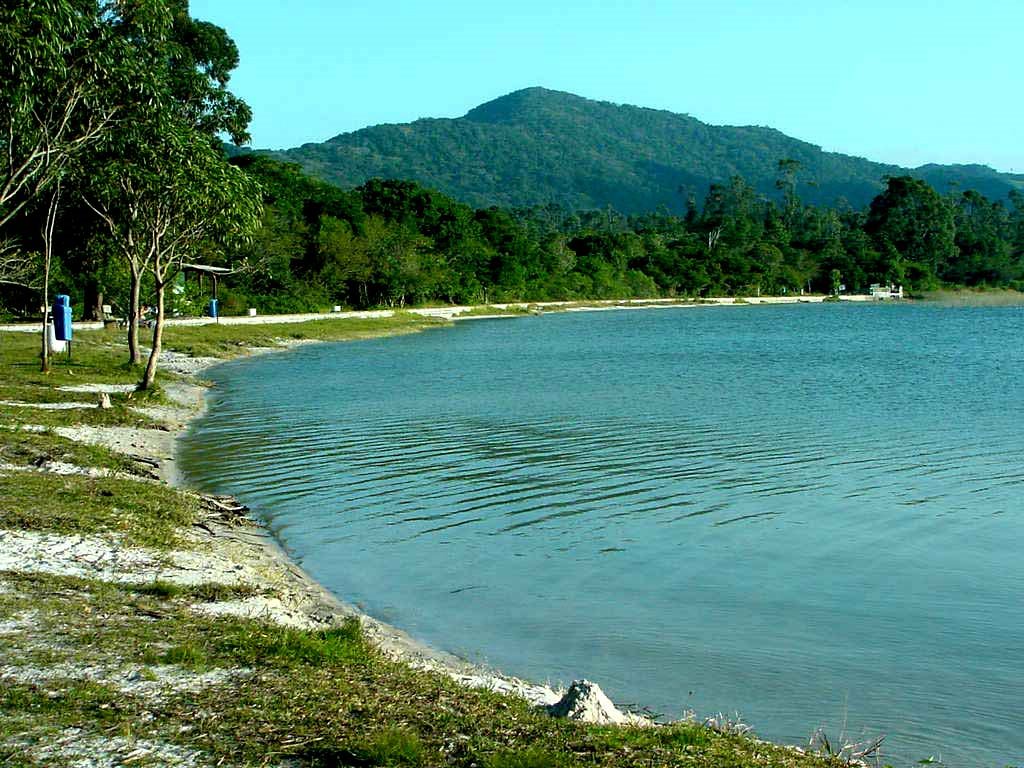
[(389, 243), (535, 146), (64, 77), (125, 101)]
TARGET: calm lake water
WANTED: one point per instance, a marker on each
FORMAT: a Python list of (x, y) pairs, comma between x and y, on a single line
[(812, 515)]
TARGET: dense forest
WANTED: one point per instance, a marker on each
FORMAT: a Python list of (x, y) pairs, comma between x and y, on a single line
[(538, 146), (113, 179), (394, 243)]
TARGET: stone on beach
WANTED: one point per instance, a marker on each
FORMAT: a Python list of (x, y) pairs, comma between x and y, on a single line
[(586, 702)]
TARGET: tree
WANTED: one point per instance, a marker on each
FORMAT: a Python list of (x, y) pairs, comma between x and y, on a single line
[(17, 267), (345, 257), (64, 74), (983, 240), (200, 59), (400, 261), (47, 236), (916, 222), (836, 279), (64, 78), (165, 199), (785, 182), (188, 63)]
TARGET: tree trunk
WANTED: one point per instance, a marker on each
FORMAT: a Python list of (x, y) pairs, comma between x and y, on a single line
[(97, 304), (134, 355), (158, 334), (46, 308), (48, 227)]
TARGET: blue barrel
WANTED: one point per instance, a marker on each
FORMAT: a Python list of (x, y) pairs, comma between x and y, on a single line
[(62, 318), (211, 308)]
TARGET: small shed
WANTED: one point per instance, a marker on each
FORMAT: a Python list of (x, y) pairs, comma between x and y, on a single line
[(204, 270)]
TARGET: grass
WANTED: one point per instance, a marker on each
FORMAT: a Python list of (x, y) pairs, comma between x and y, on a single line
[(315, 698), (530, 757), (226, 341), (98, 357), (208, 592), (119, 414), (33, 448), (144, 514)]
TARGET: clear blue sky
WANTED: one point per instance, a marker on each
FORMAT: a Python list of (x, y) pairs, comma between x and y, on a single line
[(901, 81)]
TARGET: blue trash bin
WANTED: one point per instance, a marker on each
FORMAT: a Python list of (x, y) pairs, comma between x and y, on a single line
[(62, 318), (211, 308)]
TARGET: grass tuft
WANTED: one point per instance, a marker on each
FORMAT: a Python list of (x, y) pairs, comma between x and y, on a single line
[(189, 655), (390, 747), (531, 757), (254, 643), (162, 590), (208, 592)]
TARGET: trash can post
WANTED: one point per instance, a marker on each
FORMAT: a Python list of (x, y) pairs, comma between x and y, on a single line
[(61, 319)]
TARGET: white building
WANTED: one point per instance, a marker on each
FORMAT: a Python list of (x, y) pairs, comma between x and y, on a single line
[(881, 292)]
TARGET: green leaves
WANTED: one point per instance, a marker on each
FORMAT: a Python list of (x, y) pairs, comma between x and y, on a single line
[(914, 220)]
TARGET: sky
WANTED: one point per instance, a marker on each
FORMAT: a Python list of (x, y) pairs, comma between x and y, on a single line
[(899, 81)]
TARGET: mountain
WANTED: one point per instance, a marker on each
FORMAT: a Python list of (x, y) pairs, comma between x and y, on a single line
[(538, 146)]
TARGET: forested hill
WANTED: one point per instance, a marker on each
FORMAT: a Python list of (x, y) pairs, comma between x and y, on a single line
[(538, 146)]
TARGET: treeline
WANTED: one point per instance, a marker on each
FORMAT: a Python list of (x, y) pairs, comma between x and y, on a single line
[(394, 243)]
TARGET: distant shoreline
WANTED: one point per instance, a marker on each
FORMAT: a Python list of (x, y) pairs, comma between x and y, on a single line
[(477, 311)]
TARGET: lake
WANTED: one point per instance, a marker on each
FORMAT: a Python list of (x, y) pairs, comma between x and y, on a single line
[(811, 515)]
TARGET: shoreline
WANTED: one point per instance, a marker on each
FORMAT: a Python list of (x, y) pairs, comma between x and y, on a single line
[(221, 565), (318, 600), (471, 312), (312, 598)]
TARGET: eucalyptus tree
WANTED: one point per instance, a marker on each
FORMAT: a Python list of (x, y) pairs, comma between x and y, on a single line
[(59, 67), (64, 76), (164, 200), (188, 63)]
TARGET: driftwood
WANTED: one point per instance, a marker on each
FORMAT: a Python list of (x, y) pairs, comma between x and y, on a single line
[(155, 463), (224, 511)]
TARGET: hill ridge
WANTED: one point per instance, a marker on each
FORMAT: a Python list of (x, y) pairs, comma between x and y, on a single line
[(537, 146)]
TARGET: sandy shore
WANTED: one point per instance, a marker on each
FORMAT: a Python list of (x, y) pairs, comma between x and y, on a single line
[(299, 600), (462, 312)]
